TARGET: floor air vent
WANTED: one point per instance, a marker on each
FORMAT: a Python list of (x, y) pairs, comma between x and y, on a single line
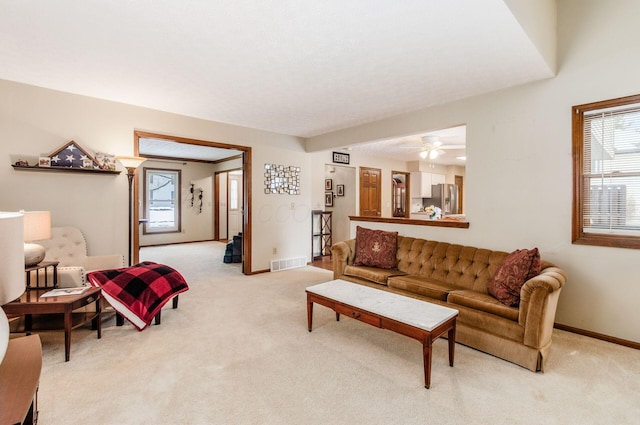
[(288, 263)]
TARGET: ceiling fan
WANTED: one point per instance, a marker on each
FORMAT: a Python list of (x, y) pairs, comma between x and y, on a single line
[(432, 147)]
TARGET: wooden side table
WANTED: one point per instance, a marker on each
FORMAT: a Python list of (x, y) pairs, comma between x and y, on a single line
[(44, 265), (20, 375), (30, 303)]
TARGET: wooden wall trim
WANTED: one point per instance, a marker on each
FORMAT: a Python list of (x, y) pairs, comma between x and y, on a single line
[(417, 222), (602, 337)]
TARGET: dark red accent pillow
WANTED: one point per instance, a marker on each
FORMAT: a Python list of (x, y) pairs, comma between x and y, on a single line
[(376, 248), (536, 266), (514, 271)]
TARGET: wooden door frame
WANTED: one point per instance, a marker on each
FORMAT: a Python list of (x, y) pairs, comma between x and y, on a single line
[(407, 187), (246, 190)]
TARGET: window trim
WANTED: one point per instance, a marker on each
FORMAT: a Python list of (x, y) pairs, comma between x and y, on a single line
[(178, 201), (578, 236)]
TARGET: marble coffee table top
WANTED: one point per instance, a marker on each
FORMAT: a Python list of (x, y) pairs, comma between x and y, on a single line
[(414, 312)]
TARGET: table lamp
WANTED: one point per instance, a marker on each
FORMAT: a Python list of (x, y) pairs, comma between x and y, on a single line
[(12, 266), (37, 226)]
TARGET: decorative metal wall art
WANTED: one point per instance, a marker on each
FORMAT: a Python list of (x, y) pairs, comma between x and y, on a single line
[(281, 179)]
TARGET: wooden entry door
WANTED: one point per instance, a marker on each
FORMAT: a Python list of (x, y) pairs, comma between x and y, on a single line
[(370, 192)]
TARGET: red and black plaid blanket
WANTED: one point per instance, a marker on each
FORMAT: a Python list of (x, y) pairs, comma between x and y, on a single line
[(140, 291)]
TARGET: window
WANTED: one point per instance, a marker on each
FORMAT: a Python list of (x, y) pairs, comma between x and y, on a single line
[(233, 194), (162, 200), (606, 158)]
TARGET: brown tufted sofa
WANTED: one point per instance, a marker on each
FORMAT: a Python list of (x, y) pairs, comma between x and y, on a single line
[(457, 276)]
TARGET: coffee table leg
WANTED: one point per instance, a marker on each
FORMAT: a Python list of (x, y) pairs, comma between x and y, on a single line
[(67, 332), (309, 313), (427, 355)]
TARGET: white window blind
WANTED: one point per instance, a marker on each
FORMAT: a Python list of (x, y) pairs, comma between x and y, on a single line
[(611, 171)]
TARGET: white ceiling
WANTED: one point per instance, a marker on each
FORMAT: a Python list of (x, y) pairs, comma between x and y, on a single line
[(408, 148), (149, 147), (297, 67)]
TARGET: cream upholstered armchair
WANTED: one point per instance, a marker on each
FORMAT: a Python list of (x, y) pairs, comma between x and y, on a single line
[(68, 246)]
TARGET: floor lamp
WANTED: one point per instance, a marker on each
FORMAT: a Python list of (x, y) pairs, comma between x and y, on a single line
[(131, 163)]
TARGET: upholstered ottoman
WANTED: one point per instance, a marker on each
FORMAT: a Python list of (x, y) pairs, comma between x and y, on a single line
[(139, 292)]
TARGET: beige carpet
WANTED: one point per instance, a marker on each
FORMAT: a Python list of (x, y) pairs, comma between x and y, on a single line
[(237, 351)]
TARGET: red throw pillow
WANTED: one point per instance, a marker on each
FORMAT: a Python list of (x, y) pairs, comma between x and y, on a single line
[(514, 271), (376, 248)]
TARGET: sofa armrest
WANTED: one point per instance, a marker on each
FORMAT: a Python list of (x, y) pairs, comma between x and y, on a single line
[(102, 262), (343, 254), (538, 303), (71, 277)]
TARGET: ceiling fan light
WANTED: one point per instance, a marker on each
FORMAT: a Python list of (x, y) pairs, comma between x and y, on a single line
[(432, 140), (423, 154), (433, 154)]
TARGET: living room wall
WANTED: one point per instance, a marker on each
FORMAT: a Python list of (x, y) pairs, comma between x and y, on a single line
[(519, 168), (36, 121)]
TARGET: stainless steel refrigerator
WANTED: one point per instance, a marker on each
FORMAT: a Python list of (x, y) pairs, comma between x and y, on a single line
[(445, 196)]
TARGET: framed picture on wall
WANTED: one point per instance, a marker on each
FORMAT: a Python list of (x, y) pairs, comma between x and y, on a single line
[(340, 158), (328, 199), (340, 189), (328, 184)]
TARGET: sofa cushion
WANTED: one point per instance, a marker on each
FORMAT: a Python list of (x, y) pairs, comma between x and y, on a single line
[(481, 302), (513, 272), (372, 274), (376, 248), (421, 285)]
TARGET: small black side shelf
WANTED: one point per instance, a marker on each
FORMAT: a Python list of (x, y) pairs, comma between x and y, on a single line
[(65, 170), (321, 234)]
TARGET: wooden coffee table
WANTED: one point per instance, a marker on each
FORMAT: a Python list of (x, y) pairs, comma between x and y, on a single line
[(31, 303), (407, 316)]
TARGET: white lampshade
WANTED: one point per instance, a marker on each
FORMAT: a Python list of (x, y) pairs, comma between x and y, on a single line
[(12, 268), (423, 154), (37, 225), (131, 161)]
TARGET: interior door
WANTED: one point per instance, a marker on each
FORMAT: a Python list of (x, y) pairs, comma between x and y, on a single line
[(234, 215), (370, 192), (222, 209)]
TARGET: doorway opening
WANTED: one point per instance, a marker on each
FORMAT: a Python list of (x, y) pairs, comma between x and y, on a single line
[(165, 147), (228, 196), (343, 199)]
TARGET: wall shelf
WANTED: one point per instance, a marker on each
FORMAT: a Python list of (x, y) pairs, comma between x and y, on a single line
[(65, 170)]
